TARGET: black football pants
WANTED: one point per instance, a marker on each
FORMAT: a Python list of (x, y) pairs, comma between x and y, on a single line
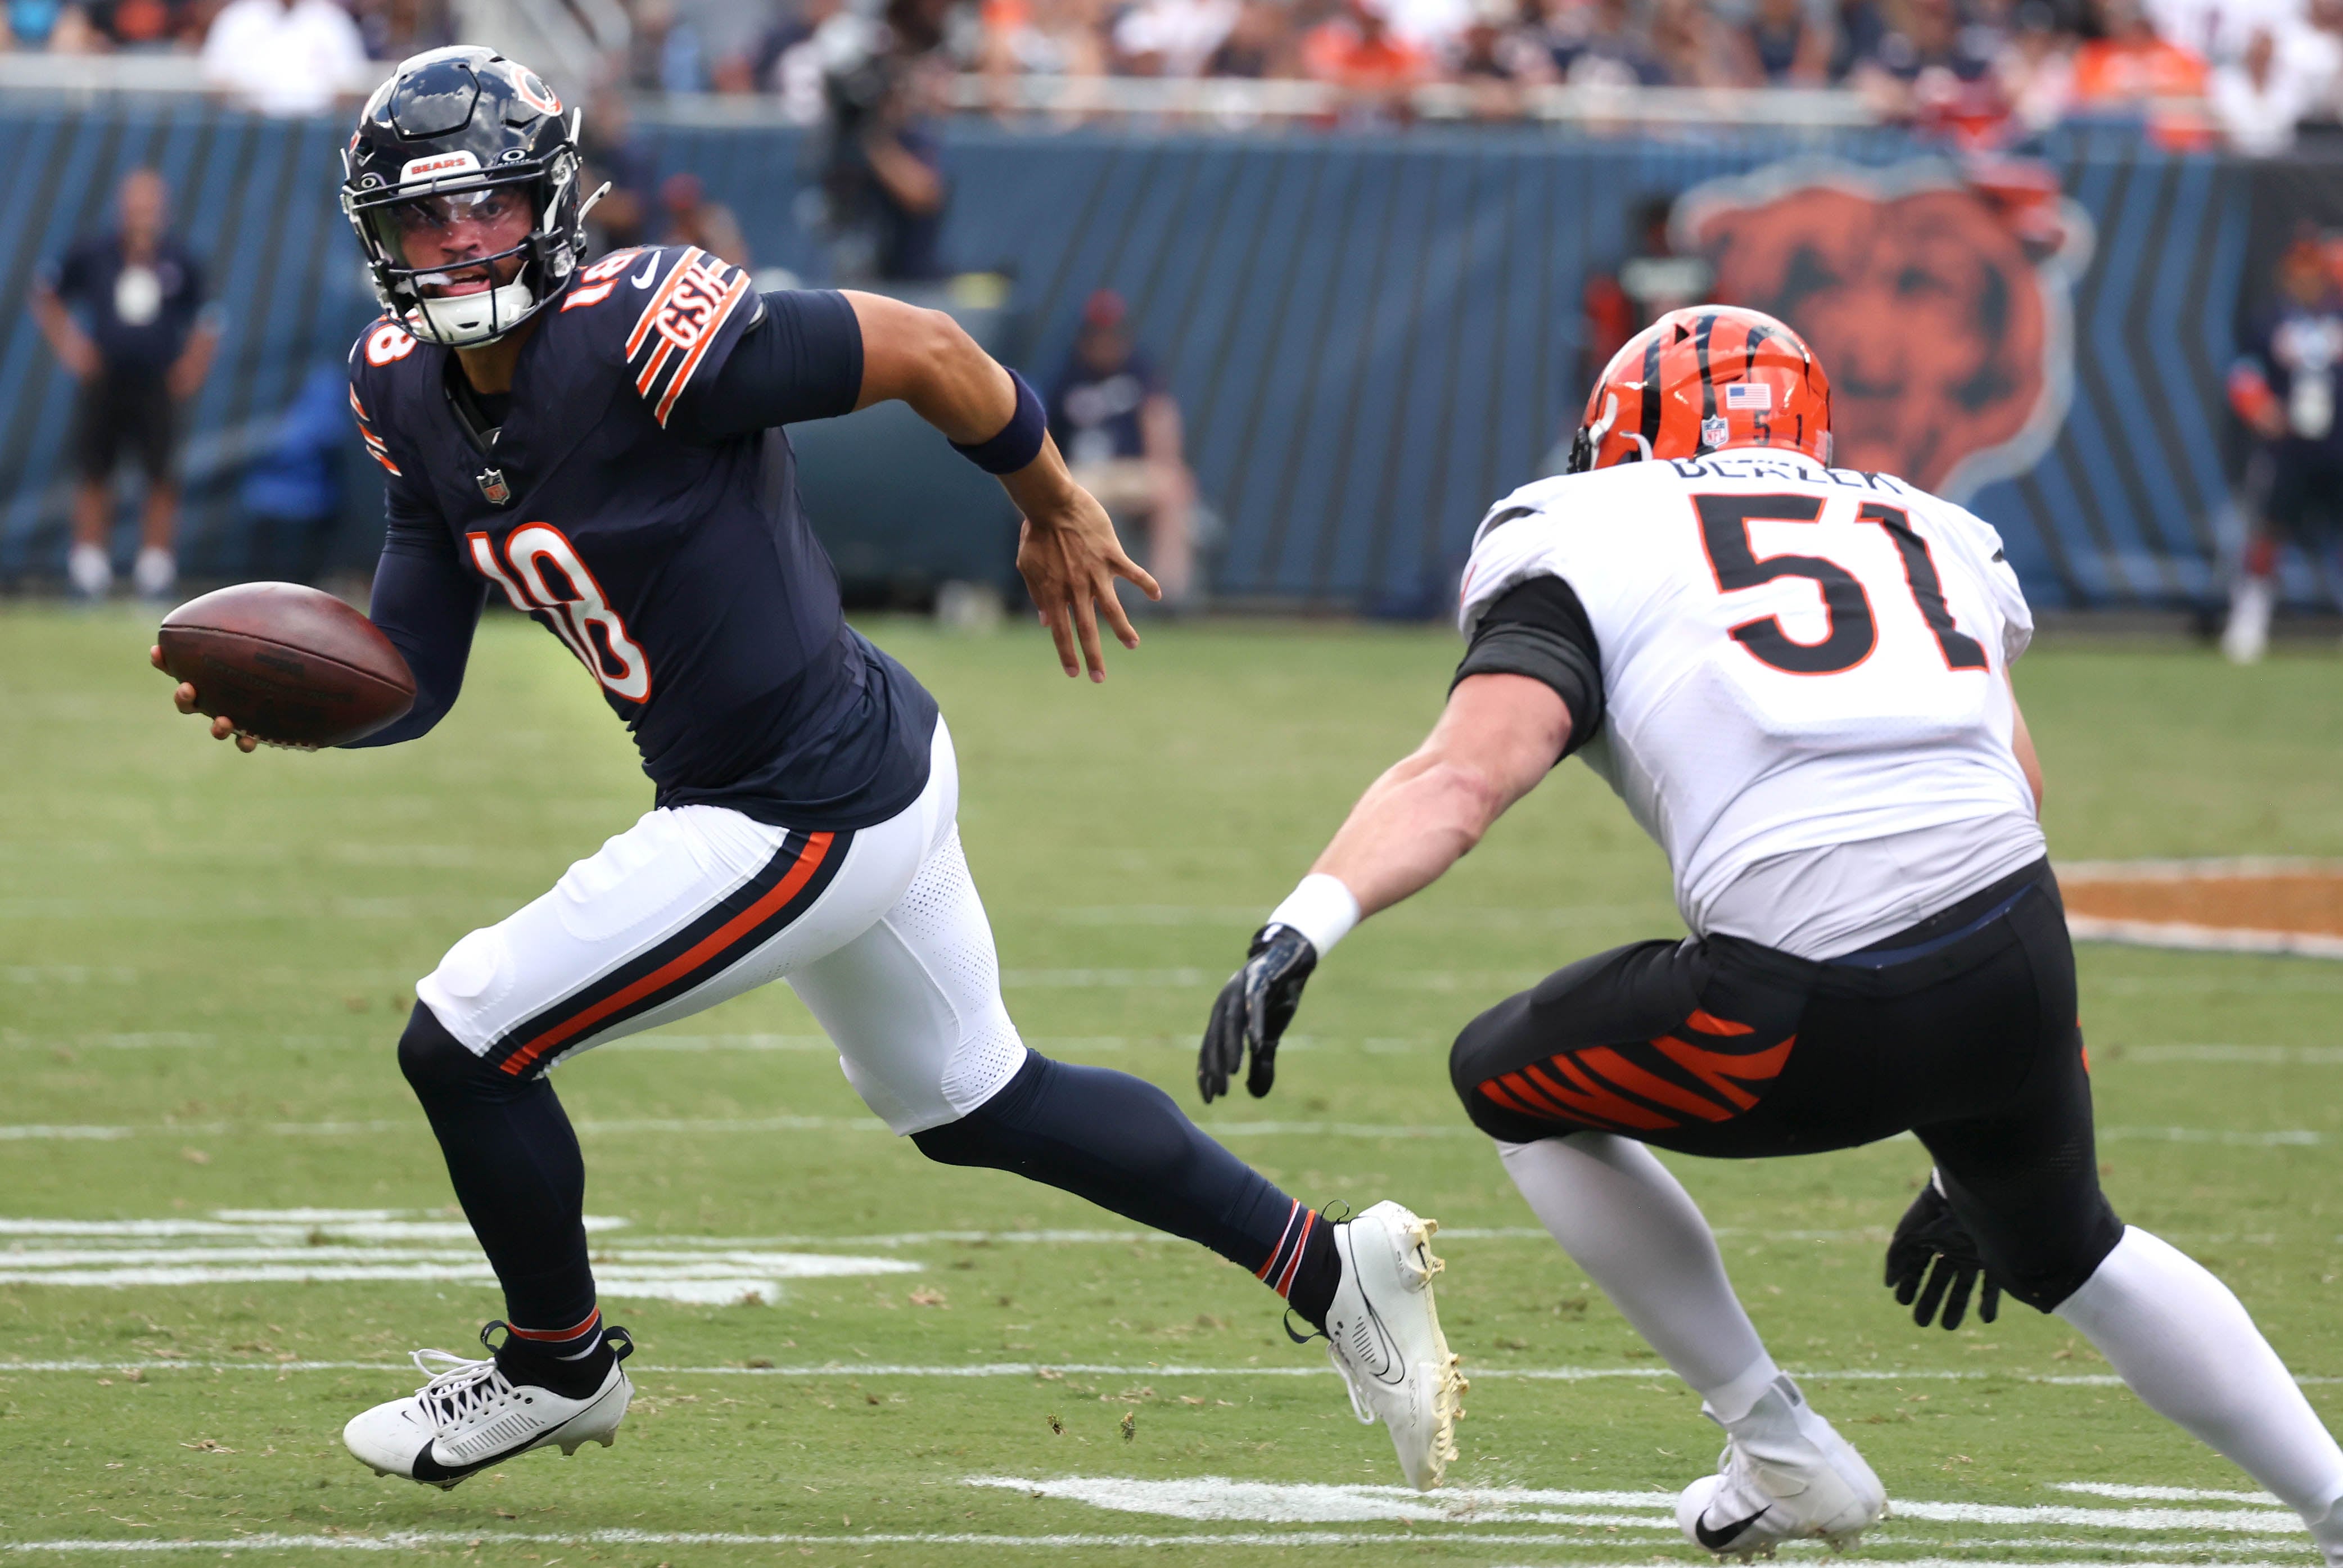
[(1961, 1030)]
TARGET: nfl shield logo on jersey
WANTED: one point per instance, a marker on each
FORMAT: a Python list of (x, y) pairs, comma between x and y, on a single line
[(493, 486)]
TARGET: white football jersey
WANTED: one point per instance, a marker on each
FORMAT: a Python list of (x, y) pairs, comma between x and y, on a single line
[(1803, 672)]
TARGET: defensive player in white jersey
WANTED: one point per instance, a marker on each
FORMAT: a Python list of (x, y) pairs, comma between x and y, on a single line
[(1797, 679)]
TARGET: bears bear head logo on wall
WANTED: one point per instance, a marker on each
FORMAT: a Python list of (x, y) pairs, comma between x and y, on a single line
[(1938, 300)]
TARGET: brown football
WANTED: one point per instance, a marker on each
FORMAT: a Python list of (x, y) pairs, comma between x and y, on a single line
[(287, 663)]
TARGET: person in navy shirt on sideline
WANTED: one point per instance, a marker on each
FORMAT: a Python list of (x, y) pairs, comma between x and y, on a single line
[(141, 347), (598, 446)]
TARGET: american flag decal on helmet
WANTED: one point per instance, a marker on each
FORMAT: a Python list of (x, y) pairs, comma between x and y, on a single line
[(1755, 397)]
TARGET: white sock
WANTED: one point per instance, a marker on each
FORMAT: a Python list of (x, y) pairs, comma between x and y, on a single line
[(154, 571), (89, 571), (2187, 1347), (1634, 1230), (2251, 599)]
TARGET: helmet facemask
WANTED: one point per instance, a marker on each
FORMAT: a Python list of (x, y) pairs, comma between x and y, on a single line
[(387, 217)]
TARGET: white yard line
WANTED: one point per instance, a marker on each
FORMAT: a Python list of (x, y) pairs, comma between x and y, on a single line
[(1136, 1371), (1220, 1499), (2164, 1493), (2204, 939), (414, 1539)]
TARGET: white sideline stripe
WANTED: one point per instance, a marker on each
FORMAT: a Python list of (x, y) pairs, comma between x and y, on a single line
[(1049, 1370), (413, 1539), (1214, 1498), (2164, 1493), (2204, 939)]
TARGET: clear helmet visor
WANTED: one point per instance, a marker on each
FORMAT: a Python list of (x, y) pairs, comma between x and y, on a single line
[(448, 243)]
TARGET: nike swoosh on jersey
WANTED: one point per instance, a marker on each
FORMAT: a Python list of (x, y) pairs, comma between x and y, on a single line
[(1717, 1539), (643, 279)]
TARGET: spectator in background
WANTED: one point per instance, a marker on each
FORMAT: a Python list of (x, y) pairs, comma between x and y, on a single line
[(124, 313), (285, 57), (2036, 69), (885, 182), (1602, 44), (1260, 44), (293, 491), (2256, 102), (2129, 69), (1499, 54), (1171, 37), (393, 29), (612, 153), (1042, 38), (1357, 51), (788, 61), (1119, 430), (1786, 45), (1696, 49), (693, 219), (2283, 387), (1926, 58)]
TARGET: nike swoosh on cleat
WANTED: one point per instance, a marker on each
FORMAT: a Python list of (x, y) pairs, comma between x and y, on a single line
[(643, 279), (430, 1470), (1717, 1539)]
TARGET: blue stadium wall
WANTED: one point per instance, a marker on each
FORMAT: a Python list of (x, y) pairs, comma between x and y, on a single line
[(1373, 335)]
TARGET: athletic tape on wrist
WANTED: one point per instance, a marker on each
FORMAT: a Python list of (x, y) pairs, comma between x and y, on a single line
[(1321, 909), (1019, 441)]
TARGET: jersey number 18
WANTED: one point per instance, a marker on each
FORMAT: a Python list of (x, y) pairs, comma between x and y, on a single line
[(614, 658), (1854, 630)]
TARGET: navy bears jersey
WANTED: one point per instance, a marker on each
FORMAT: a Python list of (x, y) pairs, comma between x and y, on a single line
[(622, 500)]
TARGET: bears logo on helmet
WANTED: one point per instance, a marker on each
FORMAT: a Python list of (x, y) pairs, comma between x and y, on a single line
[(1701, 379)]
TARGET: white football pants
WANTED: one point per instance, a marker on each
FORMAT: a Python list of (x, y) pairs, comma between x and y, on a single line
[(879, 932)]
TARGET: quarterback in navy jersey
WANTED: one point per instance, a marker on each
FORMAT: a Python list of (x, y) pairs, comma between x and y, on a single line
[(600, 446)]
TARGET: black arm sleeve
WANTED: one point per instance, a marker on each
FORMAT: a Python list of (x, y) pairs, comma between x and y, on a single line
[(802, 359), (1539, 628), (428, 606)]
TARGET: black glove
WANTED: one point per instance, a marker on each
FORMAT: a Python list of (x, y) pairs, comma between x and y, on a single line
[(1252, 1010), (1928, 1233)]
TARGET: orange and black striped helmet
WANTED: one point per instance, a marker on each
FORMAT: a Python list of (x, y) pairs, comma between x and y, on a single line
[(1703, 379)]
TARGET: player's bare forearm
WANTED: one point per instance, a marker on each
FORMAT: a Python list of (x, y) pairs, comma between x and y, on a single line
[(1498, 737), (924, 358), (1067, 552)]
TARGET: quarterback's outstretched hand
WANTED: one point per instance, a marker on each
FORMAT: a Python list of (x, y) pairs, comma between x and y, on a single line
[(1253, 1010), (184, 699), (1931, 1233), (1069, 555)]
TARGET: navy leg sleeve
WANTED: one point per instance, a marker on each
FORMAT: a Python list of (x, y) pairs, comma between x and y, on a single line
[(517, 1169), (1120, 1142)]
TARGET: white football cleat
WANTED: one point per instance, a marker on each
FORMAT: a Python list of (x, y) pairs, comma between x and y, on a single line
[(1382, 1333), (470, 1416), (2328, 1534), (1785, 1474)]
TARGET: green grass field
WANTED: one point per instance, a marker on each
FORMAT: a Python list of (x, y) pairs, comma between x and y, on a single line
[(206, 959)]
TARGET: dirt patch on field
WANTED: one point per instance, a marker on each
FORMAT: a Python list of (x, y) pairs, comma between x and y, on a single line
[(2244, 906), (2299, 903)]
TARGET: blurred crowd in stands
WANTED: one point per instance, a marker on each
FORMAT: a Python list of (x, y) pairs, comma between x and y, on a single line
[(2245, 74)]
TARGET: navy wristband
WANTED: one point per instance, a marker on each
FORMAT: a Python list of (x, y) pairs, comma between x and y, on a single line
[(1019, 440)]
